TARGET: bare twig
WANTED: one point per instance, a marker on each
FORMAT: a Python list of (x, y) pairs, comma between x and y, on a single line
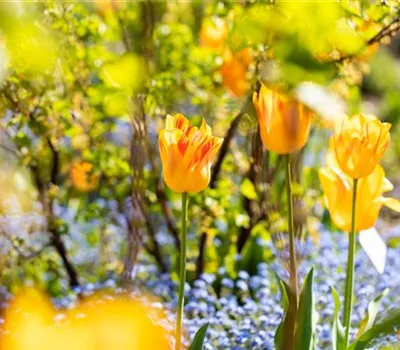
[(389, 30), (225, 148), (252, 207), (56, 240)]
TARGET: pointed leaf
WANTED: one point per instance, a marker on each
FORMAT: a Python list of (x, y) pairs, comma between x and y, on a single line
[(372, 312), (198, 339), (337, 327), (285, 292), (305, 327), (387, 326)]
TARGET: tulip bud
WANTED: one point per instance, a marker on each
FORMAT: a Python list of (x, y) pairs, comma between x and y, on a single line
[(284, 123)]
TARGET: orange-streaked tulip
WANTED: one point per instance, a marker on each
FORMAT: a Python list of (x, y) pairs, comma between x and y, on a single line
[(83, 178), (101, 323), (284, 122), (187, 153), (338, 195), (360, 143)]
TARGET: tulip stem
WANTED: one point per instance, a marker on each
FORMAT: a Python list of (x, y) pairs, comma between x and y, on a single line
[(182, 272), (348, 298), (292, 243)]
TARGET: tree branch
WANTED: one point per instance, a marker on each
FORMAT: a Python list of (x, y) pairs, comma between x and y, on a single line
[(389, 30)]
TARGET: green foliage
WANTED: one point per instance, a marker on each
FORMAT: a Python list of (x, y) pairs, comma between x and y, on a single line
[(372, 313), (337, 327), (279, 334), (88, 82), (385, 326), (198, 339), (306, 317)]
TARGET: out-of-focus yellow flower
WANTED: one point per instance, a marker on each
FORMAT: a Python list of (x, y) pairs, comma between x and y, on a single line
[(284, 123), (187, 153), (214, 33), (359, 143), (83, 178), (104, 7), (99, 323), (338, 195), (234, 71)]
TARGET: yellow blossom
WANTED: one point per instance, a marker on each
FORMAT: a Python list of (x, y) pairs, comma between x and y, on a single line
[(360, 143), (187, 153), (284, 122)]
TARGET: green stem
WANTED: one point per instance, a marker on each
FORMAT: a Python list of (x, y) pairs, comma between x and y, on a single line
[(348, 298), (292, 246), (182, 272)]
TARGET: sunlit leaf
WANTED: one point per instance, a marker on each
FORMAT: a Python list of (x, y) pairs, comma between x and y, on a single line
[(126, 73), (337, 327), (372, 313), (248, 190)]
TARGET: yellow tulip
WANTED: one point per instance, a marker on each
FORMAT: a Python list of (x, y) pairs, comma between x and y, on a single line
[(360, 143), (338, 194), (187, 153), (98, 323), (284, 123)]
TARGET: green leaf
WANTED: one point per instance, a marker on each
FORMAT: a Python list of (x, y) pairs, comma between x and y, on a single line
[(247, 189), (337, 327), (387, 326), (285, 292), (117, 104), (372, 312), (198, 339), (305, 327)]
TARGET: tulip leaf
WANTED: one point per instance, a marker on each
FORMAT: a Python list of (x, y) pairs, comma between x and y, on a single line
[(372, 312), (305, 327), (337, 327), (285, 293), (198, 339), (387, 326)]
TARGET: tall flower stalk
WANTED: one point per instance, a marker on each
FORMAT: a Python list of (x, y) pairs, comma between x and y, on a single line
[(284, 127), (348, 297), (187, 153), (292, 242), (359, 143), (182, 271)]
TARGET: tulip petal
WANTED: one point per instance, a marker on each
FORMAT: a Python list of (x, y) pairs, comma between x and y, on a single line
[(170, 136), (169, 123), (180, 122), (205, 128), (387, 185), (375, 247), (391, 203)]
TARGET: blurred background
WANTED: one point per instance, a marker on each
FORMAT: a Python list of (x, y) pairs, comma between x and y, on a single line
[(85, 88)]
